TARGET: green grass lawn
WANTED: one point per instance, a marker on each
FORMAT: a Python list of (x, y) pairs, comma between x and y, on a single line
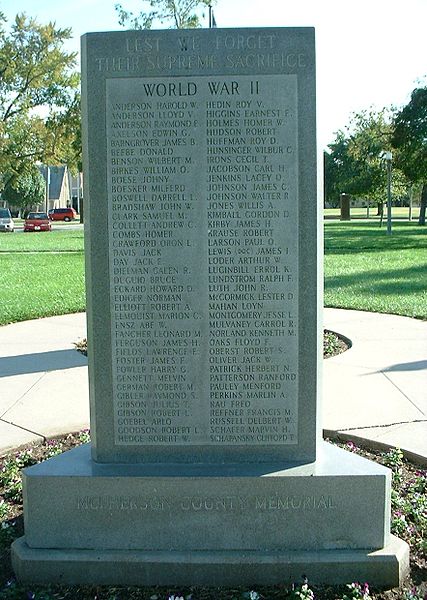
[(56, 240), (366, 269), (42, 274)]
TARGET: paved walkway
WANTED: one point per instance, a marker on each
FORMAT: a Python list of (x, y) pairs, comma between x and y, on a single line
[(377, 390)]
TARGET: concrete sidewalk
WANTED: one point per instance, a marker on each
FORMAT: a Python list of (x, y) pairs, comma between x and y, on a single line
[(377, 390), (43, 380)]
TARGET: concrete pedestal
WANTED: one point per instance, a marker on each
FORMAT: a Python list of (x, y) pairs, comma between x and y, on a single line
[(208, 524), (386, 567)]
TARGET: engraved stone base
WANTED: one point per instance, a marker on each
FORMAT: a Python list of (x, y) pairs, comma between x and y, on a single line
[(201, 524)]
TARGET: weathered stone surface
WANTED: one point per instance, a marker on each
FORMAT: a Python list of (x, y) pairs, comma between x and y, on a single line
[(156, 514), (193, 507), (386, 567), (203, 237)]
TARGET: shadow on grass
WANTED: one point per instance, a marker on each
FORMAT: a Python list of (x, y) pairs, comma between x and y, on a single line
[(390, 282), (369, 237)]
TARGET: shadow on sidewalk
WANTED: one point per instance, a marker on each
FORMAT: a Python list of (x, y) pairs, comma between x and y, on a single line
[(416, 365), (57, 360)]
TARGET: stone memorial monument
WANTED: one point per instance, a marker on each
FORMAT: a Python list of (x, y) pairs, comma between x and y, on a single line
[(204, 325)]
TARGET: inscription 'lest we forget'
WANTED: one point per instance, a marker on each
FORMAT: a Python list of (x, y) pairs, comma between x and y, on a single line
[(203, 253)]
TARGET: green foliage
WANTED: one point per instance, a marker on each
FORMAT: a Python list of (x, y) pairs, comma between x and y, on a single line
[(84, 436), (356, 591), (331, 345), (355, 163), (301, 592), (410, 138), (408, 502), (393, 459), (10, 475), (25, 190), (409, 509), (54, 447), (179, 14), (37, 78), (4, 508), (338, 169), (7, 535), (414, 594), (63, 135)]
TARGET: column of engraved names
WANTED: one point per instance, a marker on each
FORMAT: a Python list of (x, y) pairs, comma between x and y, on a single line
[(252, 262), (155, 331)]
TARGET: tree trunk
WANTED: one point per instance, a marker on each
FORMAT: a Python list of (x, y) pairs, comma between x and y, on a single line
[(380, 209), (423, 205), (411, 199)]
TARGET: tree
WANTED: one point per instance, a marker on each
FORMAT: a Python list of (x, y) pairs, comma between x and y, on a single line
[(179, 14), (355, 163), (410, 139), (345, 172), (38, 96), (63, 135), (26, 190)]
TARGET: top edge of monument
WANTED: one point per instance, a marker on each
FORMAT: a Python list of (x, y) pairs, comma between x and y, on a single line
[(249, 49), (198, 31)]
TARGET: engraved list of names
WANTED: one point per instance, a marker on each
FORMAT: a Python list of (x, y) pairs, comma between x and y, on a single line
[(203, 254)]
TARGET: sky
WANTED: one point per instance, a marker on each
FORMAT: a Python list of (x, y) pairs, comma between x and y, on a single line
[(370, 53)]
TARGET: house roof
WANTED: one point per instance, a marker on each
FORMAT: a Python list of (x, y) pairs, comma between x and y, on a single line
[(56, 178)]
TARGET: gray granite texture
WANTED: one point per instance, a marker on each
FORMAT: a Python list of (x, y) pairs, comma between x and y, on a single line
[(156, 514), (202, 245), (386, 567), (199, 507)]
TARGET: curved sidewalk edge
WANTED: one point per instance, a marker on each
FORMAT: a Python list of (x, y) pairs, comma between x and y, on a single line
[(43, 380), (373, 393), (376, 391)]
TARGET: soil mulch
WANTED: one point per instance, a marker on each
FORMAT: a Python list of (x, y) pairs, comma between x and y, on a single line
[(416, 580)]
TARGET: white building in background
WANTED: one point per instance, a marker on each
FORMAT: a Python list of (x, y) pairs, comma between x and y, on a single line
[(62, 188), (58, 189), (76, 184)]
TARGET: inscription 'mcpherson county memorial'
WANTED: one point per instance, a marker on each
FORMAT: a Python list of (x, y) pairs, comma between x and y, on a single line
[(204, 260)]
